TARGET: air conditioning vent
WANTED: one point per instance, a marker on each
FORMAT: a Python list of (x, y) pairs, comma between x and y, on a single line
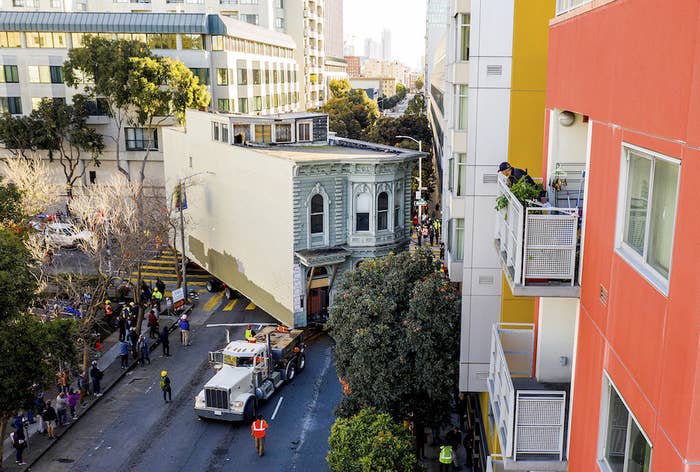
[(490, 178), (494, 69), (603, 295), (486, 280)]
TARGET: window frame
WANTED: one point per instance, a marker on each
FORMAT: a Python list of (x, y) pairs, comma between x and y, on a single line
[(607, 388), (460, 174), (154, 142), (622, 248), (313, 213), (300, 134), (279, 126), (383, 212), (462, 112)]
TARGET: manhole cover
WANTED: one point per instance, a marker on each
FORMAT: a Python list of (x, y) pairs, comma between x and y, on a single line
[(65, 460)]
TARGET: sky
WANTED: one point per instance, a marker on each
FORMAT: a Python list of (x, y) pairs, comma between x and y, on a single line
[(404, 18)]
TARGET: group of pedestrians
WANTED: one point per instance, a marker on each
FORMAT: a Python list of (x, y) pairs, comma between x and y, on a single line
[(427, 229)]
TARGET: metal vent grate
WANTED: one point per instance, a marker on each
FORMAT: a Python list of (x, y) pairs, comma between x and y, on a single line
[(489, 178), (216, 398), (603, 295), (486, 280), (494, 69)]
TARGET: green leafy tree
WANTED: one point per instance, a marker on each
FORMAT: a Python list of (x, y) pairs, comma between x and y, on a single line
[(396, 326), (65, 134), (416, 105), (420, 83), (370, 442), (351, 115), (340, 88), (102, 68), (11, 214), (401, 91), (20, 135), (17, 282)]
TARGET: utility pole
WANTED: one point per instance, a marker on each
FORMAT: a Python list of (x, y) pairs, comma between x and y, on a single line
[(181, 190), (419, 195)]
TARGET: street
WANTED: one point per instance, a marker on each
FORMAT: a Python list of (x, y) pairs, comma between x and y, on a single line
[(133, 429)]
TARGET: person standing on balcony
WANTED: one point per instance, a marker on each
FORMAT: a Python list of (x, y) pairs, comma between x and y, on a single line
[(513, 174)]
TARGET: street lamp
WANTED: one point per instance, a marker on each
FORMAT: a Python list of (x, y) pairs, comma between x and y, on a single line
[(420, 174), (181, 192)]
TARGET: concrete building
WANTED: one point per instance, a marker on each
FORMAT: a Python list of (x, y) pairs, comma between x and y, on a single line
[(486, 100), (436, 20), (381, 68), (333, 20), (624, 140), (375, 87), (336, 69), (248, 69), (373, 49), (282, 209), (386, 44), (354, 66), (303, 20)]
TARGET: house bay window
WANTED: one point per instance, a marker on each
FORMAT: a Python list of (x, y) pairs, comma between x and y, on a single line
[(363, 203), (648, 213), (382, 211)]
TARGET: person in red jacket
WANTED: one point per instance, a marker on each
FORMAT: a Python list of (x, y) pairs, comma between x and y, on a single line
[(258, 429)]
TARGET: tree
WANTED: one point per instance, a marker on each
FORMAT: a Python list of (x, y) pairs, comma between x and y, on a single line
[(102, 68), (65, 134), (370, 442), (349, 116), (32, 178), (340, 88), (416, 105), (19, 134), (18, 284), (401, 91), (11, 214), (396, 325), (420, 83)]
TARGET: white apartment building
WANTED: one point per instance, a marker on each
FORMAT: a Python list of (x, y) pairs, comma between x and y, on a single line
[(248, 69), (382, 68), (303, 20)]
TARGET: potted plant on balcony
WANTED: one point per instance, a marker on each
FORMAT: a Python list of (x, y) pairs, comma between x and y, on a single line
[(524, 191)]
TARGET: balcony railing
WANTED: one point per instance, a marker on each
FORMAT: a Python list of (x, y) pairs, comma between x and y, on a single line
[(529, 416), (566, 5), (538, 247)]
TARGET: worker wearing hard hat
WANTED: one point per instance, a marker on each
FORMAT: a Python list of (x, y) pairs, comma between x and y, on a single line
[(249, 333), (165, 386)]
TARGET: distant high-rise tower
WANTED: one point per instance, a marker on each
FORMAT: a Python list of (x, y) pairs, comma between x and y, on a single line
[(372, 49), (333, 28), (386, 45)]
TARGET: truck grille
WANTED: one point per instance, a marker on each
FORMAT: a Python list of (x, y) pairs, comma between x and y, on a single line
[(216, 398)]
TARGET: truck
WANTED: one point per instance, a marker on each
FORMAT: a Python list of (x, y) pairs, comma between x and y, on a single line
[(249, 372)]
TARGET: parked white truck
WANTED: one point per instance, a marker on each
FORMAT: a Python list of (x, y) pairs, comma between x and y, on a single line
[(249, 371)]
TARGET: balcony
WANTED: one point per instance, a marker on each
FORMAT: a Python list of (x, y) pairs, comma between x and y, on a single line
[(529, 416), (538, 246), (564, 6)]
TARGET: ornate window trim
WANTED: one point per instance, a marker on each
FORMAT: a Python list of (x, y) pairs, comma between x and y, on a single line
[(318, 190)]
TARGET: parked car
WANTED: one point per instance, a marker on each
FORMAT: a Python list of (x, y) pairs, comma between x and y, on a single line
[(65, 234), (216, 285)]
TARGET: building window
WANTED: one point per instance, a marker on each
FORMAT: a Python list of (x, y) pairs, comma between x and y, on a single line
[(92, 175), (316, 223), (9, 39), (383, 211), (140, 139), (279, 23), (362, 206), (10, 75), (624, 446), (243, 105), (304, 132), (224, 133), (217, 43), (45, 40), (450, 174), (202, 74), (462, 108), (215, 131), (257, 103), (283, 133), (161, 41), (461, 174), (222, 77), (11, 105), (45, 74), (242, 76), (263, 133), (192, 41), (464, 21), (456, 242), (252, 19), (397, 206), (223, 104), (256, 77), (279, 3), (648, 213)]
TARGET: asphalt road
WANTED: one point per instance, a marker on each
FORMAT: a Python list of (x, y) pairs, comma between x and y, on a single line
[(133, 429)]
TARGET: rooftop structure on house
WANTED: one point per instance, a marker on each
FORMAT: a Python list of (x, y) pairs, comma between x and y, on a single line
[(283, 208)]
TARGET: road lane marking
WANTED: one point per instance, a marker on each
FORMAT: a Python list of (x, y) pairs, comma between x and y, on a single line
[(251, 306), (213, 301), (101, 443), (231, 304), (274, 413)]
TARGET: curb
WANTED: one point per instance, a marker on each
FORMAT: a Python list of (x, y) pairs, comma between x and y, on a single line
[(88, 407)]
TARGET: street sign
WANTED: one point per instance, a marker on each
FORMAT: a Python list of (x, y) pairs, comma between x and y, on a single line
[(420, 203), (418, 194), (178, 298)]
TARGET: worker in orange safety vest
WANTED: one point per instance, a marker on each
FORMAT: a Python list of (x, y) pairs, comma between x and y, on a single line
[(258, 429)]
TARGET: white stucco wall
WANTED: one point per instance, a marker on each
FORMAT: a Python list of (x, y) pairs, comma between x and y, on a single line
[(240, 218), (555, 338)]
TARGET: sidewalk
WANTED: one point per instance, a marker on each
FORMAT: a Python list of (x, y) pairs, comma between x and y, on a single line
[(38, 443)]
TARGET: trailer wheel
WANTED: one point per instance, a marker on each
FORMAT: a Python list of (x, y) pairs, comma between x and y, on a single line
[(301, 362), (229, 293), (290, 372), (249, 410)]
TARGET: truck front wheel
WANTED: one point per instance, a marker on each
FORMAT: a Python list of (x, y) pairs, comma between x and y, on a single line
[(301, 362), (249, 410), (290, 372)]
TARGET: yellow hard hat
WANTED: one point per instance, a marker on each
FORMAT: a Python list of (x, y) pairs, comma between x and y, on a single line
[(164, 373), (107, 302)]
